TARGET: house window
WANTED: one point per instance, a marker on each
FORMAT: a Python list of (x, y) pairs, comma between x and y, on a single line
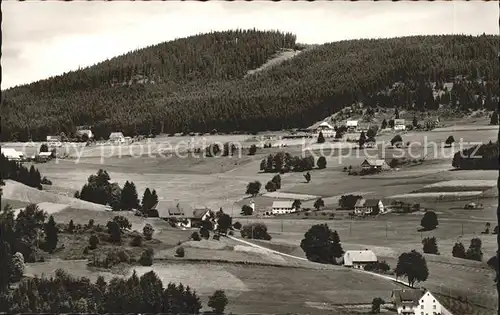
[(434, 306), (404, 307), (422, 307)]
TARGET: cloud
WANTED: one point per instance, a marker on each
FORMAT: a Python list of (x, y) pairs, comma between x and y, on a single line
[(55, 37)]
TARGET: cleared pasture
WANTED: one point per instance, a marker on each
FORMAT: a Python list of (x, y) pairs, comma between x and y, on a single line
[(253, 289)]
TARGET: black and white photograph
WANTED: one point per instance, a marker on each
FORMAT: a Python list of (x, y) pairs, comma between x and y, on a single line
[(250, 157)]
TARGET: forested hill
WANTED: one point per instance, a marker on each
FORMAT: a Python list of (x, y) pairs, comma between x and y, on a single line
[(198, 84)]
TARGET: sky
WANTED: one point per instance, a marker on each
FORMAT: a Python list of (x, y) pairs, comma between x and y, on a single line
[(43, 39)]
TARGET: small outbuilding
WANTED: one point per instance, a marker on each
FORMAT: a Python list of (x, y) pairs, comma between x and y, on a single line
[(375, 164), (359, 258)]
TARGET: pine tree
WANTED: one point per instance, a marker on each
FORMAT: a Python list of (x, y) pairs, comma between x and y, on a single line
[(51, 237), (384, 124), (145, 204), (321, 138), (494, 118)]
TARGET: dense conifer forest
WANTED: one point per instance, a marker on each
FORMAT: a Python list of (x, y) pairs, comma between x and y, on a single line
[(199, 83)]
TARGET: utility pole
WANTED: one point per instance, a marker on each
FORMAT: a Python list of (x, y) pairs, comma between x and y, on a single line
[(386, 229), (350, 228), (462, 229), (281, 225)]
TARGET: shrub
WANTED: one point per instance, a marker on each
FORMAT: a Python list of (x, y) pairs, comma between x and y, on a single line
[(123, 222), (396, 141), (18, 266), (255, 231), (458, 250), (379, 266), (231, 233), (90, 224), (322, 245), (93, 241), (112, 258), (148, 231), (46, 181), (376, 303), (474, 252), (115, 235), (136, 240), (237, 225), (429, 221), (321, 162), (430, 245), (195, 236), (180, 252), (246, 210), (146, 258), (218, 302)]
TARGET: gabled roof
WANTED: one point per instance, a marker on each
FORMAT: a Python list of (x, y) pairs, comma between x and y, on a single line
[(116, 135), (55, 138), (326, 124), (367, 203), (352, 123), (283, 204), (371, 162), (9, 152), (45, 153), (360, 256), (178, 209), (407, 296), (399, 121)]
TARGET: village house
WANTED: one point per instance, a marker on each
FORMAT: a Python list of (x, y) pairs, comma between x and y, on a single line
[(417, 302), (372, 164), (87, 132), (116, 137), (326, 129), (399, 125), (54, 141), (12, 154), (282, 207), (370, 143), (359, 258), (183, 215), (43, 157), (369, 207), (352, 125)]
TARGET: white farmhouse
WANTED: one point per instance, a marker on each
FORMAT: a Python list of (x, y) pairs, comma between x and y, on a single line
[(87, 132), (352, 125), (399, 125), (326, 129), (417, 302), (12, 154), (283, 207), (359, 258), (117, 137)]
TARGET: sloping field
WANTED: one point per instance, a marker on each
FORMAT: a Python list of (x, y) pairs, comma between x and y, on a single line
[(479, 183), (456, 195), (281, 195), (48, 207), (252, 289), (17, 191)]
